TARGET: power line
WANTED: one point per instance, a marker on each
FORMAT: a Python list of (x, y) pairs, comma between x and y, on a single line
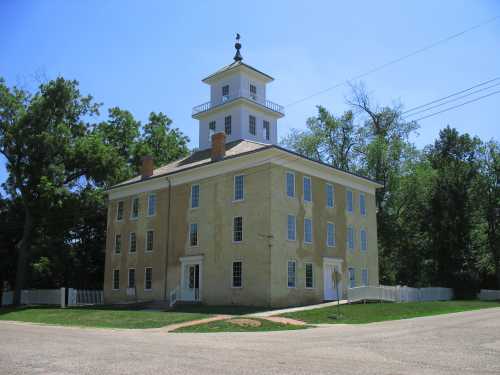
[(454, 94), (391, 62), (450, 101), (458, 105)]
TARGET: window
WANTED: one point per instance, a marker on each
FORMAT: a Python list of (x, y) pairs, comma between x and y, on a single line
[(148, 278), (364, 277), (362, 204), (211, 130), (237, 275), (265, 128), (119, 211), (238, 229), (307, 189), (309, 275), (134, 214), (195, 196), (292, 265), (330, 234), (150, 236), (352, 278), (253, 92), (350, 237), (152, 204), (193, 234), (118, 244), (291, 228), (251, 124), (239, 188), (349, 201), (307, 230), (132, 243), (116, 279), (227, 125), (329, 195), (362, 237), (225, 93), (290, 184), (131, 278)]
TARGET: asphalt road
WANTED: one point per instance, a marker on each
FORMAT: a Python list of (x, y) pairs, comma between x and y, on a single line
[(463, 343)]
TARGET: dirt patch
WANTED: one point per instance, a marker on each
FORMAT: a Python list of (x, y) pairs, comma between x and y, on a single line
[(242, 322)]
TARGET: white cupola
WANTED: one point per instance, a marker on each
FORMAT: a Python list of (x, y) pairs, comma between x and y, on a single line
[(238, 105)]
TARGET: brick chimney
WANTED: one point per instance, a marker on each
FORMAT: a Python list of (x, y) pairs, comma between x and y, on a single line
[(147, 166), (218, 146)]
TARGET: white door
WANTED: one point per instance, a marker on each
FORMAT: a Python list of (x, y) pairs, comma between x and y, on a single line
[(330, 287), (191, 283)]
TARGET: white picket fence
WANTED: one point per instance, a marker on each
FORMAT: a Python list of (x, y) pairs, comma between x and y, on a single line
[(489, 295), (76, 297), (398, 294), (80, 297)]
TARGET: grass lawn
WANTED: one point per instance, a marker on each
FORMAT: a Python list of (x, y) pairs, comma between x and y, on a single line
[(105, 317), (227, 326), (377, 312)]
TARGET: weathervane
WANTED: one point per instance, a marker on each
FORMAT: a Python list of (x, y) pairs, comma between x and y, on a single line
[(237, 45)]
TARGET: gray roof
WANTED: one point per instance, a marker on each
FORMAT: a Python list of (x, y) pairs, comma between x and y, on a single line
[(234, 65), (199, 158), (233, 149)]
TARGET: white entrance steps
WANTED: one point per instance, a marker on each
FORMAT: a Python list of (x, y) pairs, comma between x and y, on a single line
[(264, 314)]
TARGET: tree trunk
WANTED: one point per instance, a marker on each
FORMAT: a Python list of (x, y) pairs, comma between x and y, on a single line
[(22, 256)]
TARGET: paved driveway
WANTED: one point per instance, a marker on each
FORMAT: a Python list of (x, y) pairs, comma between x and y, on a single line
[(460, 343)]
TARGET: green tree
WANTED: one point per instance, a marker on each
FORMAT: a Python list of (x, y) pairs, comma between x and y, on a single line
[(454, 158), (51, 151), (329, 139)]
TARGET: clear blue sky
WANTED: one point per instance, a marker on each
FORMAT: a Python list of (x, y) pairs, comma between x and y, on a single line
[(151, 55)]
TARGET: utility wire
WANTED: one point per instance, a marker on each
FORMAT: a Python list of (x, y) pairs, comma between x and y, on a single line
[(454, 94), (450, 101), (458, 105), (391, 62)]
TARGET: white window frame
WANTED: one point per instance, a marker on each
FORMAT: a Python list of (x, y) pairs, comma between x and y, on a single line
[(294, 227), (134, 199), (253, 95), (266, 130), (352, 281), (128, 278), (241, 274), (233, 232), (294, 273), (145, 279), (350, 228), (362, 197), (191, 196), (312, 275), (146, 241), (228, 125), (361, 231), (197, 235), (225, 97), (113, 279), (327, 186), (293, 184), (304, 188), (130, 243), (328, 244), (150, 195), (250, 127), (305, 232), (364, 277), (211, 131), (242, 188), (118, 210), (121, 243), (347, 201)]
